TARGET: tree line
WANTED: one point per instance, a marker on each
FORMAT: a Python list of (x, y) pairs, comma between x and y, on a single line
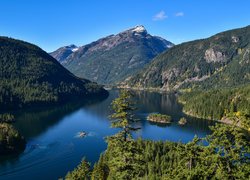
[(225, 157)]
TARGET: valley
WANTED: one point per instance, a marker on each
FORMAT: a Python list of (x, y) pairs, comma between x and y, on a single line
[(85, 93)]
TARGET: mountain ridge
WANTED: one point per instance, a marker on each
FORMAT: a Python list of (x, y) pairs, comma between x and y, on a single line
[(221, 60), (113, 58), (30, 76)]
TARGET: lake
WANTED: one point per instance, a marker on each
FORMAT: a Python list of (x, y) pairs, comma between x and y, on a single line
[(54, 146)]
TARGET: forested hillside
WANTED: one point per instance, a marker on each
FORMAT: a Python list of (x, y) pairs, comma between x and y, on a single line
[(222, 60), (219, 103), (30, 76)]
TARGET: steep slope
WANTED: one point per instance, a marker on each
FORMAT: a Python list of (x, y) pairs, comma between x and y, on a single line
[(30, 76), (62, 53), (222, 60), (111, 59), (218, 103)]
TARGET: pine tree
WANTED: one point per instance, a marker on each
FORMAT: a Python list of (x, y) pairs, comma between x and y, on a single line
[(123, 107), (233, 148), (81, 172), (100, 170), (125, 158)]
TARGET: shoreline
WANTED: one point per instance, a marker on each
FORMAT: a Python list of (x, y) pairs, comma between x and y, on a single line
[(224, 119)]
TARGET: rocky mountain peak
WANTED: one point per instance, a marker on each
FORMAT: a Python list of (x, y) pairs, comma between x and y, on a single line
[(113, 58), (63, 52), (71, 47), (139, 29)]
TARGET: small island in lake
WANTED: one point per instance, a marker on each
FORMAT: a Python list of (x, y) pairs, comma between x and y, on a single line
[(182, 121), (159, 118)]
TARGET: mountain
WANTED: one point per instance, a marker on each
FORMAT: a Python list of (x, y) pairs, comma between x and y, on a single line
[(30, 76), (222, 60), (62, 53), (112, 59)]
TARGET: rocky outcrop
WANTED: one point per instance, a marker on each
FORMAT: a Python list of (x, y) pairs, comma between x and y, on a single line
[(212, 55), (246, 56), (235, 39), (219, 61), (62, 53)]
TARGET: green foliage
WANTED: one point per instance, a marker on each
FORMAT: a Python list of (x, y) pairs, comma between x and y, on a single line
[(10, 139), (123, 108), (182, 121), (81, 172), (100, 170), (124, 159), (29, 76), (186, 65), (225, 157), (232, 147), (160, 118), (6, 118), (215, 104)]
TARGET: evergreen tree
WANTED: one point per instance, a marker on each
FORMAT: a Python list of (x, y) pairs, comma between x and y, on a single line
[(225, 157), (100, 170), (123, 107), (232, 148), (125, 158), (81, 172)]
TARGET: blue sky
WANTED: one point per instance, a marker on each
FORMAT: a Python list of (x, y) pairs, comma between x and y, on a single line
[(54, 23)]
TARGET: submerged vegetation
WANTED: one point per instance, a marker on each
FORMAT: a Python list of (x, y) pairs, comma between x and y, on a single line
[(159, 118), (225, 157)]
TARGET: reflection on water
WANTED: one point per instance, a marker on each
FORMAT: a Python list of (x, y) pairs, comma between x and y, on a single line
[(33, 122), (54, 146)]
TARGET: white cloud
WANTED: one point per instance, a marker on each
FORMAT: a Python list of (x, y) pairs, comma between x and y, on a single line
[(179, 14), (160, 16)]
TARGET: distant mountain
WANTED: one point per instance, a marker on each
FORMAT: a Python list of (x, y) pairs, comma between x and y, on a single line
[(62, 53), (222, 60), (112, 59), (30, 76)]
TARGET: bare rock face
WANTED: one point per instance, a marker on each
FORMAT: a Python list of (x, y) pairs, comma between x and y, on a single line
[(168, 76), (214, 56), (235, 39), (62, 53), (246, 56)]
